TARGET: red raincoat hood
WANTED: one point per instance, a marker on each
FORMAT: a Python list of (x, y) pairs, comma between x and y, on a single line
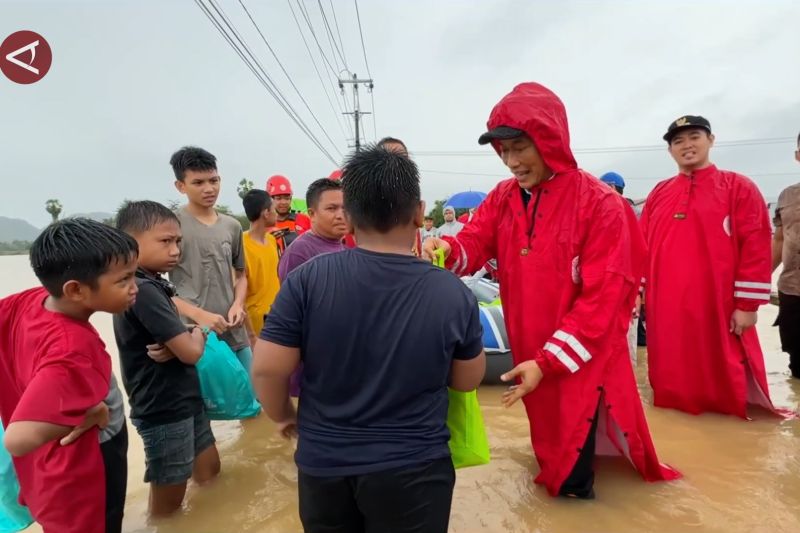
[(537, 111)]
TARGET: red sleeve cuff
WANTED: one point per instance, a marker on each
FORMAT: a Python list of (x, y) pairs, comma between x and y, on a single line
[(747, 305), (547, 365), (453, 261)]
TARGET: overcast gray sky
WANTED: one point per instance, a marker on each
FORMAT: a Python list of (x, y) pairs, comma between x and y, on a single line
[(131, 81)]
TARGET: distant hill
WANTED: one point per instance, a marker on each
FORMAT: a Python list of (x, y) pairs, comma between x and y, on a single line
[(16, 229), (99, 216)]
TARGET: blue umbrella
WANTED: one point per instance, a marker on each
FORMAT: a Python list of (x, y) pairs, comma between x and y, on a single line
[(466, 199)]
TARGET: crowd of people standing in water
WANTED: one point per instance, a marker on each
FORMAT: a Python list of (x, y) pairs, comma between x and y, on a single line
[(343, 308)]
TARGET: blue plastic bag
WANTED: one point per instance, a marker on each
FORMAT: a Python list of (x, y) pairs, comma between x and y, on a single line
[(13, 516), (224, 383)]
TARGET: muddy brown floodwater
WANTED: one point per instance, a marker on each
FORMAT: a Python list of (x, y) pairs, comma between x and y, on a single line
[(739, 475)]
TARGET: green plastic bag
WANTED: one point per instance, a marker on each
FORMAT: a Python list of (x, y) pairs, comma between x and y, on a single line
[(13, 516), (469, 445), (224, 383)]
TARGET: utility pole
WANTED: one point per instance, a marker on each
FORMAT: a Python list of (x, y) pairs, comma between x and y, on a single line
[(357, 113)]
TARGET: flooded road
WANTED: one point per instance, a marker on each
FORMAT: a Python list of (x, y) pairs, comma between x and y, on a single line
[(739, 476)]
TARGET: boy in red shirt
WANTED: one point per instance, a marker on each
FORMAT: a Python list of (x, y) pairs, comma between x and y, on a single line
[(55, 373)]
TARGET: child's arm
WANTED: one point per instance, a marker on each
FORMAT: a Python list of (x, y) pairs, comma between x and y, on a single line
[(188, 347), (201, 317), (24, 436), (236, 314)]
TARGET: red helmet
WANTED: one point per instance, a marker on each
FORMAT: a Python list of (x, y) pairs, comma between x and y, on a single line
[(336, 175), (278, 185)]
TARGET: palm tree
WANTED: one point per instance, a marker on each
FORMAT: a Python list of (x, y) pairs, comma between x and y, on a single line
[(244, 187), (53, 207)]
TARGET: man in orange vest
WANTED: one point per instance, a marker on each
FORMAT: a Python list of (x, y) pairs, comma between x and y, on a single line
[(289, 225)]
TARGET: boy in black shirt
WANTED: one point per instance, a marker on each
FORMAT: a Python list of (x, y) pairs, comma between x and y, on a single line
[(157, 354), (381, 335)]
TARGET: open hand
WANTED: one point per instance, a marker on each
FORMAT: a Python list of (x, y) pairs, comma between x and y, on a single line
[(529, 374)]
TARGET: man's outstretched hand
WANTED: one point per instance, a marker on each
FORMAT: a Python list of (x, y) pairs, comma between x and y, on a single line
[(432, 244), (529, 374)]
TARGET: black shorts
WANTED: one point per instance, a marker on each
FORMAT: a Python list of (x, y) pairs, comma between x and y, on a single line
[(115, 461), (415, 498)]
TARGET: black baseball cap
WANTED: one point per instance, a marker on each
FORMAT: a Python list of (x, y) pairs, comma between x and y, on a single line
[(686, 122), (500, 133)]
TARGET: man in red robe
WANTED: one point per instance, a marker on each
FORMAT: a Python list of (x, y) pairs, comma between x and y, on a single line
[(709, 270), (566, 249)]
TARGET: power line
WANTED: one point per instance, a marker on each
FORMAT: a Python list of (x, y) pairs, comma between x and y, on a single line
[(263, 78), (331, 38), (319, 76), (366, 64), (304, 12), (336, 23), (263, 38), (611, 149), (361, 33), (280, 96)]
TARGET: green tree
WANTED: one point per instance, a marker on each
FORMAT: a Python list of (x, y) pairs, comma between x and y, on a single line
[(244, 187), (173, 205), (53, 207), (436, 213), (224, 209)]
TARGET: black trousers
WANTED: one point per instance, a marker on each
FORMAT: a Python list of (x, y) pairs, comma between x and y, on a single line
[(789, 328), (580, 482), (115, 460), (411, 499)]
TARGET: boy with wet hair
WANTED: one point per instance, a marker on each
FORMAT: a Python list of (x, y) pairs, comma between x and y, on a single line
[(381, 334), (55, 374), (157, 353)]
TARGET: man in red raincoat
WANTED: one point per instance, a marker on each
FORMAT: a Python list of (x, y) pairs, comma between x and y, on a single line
[(708, 235), (569, 265)]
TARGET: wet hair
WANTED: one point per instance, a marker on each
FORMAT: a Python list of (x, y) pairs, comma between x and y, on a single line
[(255, 202), (191, 158), (381, 189), (392, 140), (78, 249), (137, 217), (315, 190)]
